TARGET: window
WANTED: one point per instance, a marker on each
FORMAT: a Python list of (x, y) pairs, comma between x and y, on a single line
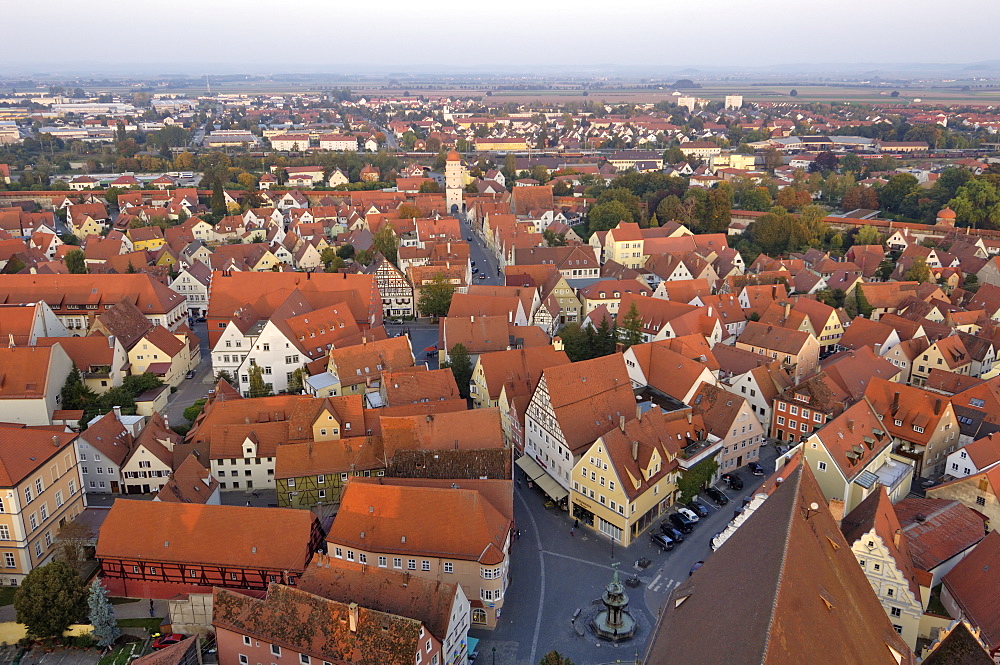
[(275, 649), (38, 486), (8, 560), (44, 510), (980, 501), (781, 420), (876, 567), (244, 660), (478, 614), (246, 640), (338, 552), (304, 659), (822, 466), (383, 562), (350, 555), (233, 576), (781, 406), (38, 548), (362, 557), (397, 562), (33, 521), (411, 564), (894, 611), (320, 479), (425, 565), (449, 567), (27, 495), (890, 592), (4, 532), (793, 410)]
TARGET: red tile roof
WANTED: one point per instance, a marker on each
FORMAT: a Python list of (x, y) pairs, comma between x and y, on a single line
[(973, 583)]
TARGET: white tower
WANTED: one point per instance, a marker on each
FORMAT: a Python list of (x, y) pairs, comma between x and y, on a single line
[(453, 183)]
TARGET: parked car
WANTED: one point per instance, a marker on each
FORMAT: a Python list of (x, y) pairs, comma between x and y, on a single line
[(699, 508), (756, 469), (164, 641), (717, 496), (734, 481), (482, 277), (681, 522), (688, 513), (674, 534), (696, 566), (468, 238), (190, 374), (661, 541)]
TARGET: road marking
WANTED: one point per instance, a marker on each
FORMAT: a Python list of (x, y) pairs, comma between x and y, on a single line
[(655, 580), (573, 558), (541, 578)]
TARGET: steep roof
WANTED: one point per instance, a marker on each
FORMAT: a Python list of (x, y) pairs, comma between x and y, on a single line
[(318, 627), (876, 514), (518, 368), (189, 483), (380, 515), (24, 371), (474, 429), (590, 397), (958, 647), (938, 529), (973, 583), (782, 340), (109, 437), (24, 450), (788, 589), (402, 594), (854, 438), (236, 536), (362, 362)]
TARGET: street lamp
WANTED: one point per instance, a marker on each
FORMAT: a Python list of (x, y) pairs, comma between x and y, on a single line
[(494, 656)]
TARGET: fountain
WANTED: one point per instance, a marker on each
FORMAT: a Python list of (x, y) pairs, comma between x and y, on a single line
[(614, 622)]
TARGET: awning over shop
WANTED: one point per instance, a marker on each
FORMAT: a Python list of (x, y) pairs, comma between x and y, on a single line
[(538, 475)]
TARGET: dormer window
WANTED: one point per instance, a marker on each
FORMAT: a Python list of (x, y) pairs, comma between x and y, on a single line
[(898, 423)]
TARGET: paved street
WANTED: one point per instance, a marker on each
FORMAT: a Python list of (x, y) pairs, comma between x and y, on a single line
[(194, 389), (485, 260), (554, 573)]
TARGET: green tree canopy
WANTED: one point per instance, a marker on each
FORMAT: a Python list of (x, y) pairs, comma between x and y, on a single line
[(258, 387), (605, 216), (631, 327), (868, 235), (102, 614), (918, 272), (461, 366), (50, 598), (435, 298), (76, 262), (977, 204)]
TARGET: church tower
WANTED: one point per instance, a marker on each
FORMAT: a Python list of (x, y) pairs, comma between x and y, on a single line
[(453, 183)]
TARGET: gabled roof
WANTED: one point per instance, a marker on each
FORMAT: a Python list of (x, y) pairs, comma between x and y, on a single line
[(25, 450), (958, 647), (973, 583), (109, 437), (938, 529), (788, 589), (518, 369), (381, 515), (24, 371), (235, 536), (854, 438), (189, 483), (317, 627), (876, 514), (398, 593), (782, 340)]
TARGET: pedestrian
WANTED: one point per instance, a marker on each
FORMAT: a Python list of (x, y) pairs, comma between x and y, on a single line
[(248, 503), (150, 608), (571, 532), (576, 524), (518, 482)]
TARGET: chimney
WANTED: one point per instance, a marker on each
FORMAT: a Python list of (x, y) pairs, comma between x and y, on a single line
[(895, 403), (55, 440), (12, 340), (850, 424), (937, 407), (353, 611), (166, 421), (246, 421), (897, 536), (621, 423), (788, 310), (635, 450), (118, 412)]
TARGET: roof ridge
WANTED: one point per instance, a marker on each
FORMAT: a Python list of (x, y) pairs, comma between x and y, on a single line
[(784, 559)]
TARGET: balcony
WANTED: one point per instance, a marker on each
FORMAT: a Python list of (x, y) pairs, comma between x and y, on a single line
[(698, 450)]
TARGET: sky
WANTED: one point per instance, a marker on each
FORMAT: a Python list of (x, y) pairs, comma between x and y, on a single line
[(343, 36)]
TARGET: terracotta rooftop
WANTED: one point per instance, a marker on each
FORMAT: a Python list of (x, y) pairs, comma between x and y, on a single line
[(25, 450), (938, 529), (973, 583), (788, 589)]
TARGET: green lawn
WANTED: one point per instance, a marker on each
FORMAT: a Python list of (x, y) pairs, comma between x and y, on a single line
[(122, 655), (118, 600), (7, 595), (152, 624), (934, 605)]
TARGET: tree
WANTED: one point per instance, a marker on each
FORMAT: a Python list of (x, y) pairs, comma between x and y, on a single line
[(555, 658), (605, 216), (191, 412), (75, 393), (772, 158), (826, 161), (14, 266), (918, 272), (332, 262), (891, 194), (297, 380), (630, 331), (553, 239), (977, 204), (851, 163), (435, 298), (861, 302), (429, 187), (696, 479), (461, 367), (49, 599), (102, 615), (408, 211), (386, 242), (868, 235), (258, 388), (218, 200)]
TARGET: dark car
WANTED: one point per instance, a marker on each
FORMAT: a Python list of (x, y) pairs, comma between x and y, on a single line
[(700, 508), (164, 641), (190, 374), (756, 469), (674, 534), (696, 566), (684, 524), (717, 496), (661, 541), (734, 481), (468, 238)]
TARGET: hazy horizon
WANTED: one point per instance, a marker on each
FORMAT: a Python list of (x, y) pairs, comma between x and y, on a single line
[(640, 36)]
